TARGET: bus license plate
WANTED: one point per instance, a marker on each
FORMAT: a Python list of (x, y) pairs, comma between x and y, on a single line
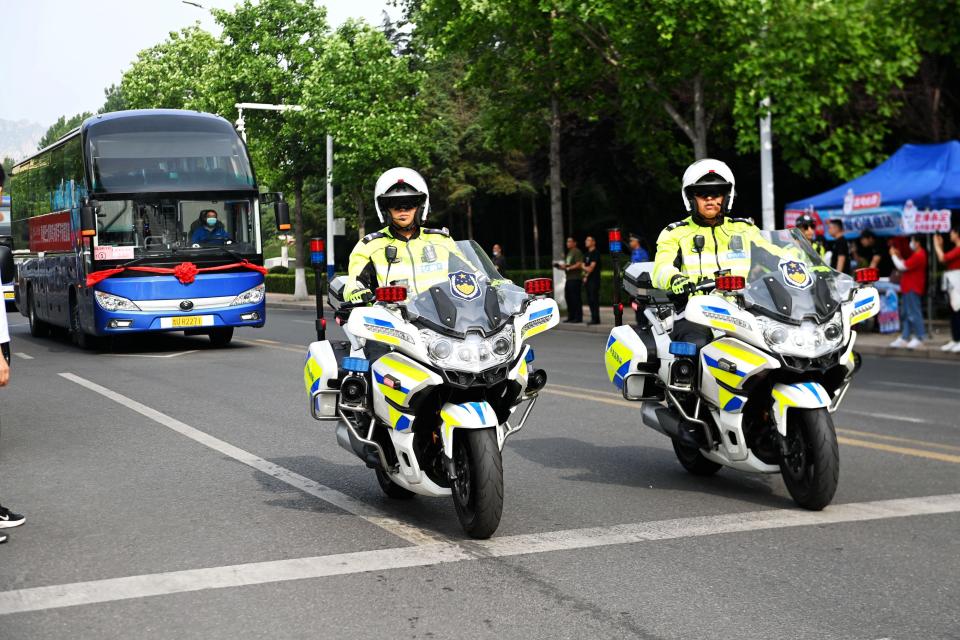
[(186, 322)]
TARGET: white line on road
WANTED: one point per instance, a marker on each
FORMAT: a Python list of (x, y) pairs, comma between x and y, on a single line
[(886, 416), (351, 505), (149, 355), (110, 590), (928, 387), (22, 355)]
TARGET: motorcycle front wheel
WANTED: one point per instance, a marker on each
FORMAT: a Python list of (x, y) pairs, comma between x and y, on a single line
[(811, 465), (693, 461), (478, 486), (390, 488)]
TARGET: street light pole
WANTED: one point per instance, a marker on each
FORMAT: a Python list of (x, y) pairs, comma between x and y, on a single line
[(330, 263), (766, 166)]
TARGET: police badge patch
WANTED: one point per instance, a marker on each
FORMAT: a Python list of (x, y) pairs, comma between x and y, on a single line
[(464, 285), (795, 274)]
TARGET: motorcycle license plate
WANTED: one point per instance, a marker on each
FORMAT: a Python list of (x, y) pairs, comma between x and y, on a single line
[(179, 322)]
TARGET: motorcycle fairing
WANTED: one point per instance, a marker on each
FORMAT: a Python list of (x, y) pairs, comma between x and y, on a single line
[(409, 475), (378, 323), (321, 367), (865, 304), (396, 380), (520, 369), (731, 362), (541, 314), (468, 415), (625, 349), (718, 313), (799, 395)]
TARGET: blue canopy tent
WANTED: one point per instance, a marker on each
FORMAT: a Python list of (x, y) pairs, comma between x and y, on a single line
[(889, 198)]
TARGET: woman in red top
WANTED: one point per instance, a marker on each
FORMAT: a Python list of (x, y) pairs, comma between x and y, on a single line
[(913, 283), (951, 276)]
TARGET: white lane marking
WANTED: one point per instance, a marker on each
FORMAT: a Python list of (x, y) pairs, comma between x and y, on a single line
[(929, 387), (192, 580), (885, 416), (278, 345), (22, 355), (310, 322), (369, 513), (149, 355)]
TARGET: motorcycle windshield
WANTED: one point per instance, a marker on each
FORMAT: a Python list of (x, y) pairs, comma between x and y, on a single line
[(465, 293), (788, 280)]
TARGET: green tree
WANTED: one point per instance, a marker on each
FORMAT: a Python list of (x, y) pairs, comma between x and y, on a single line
[(174, 74), (266, 53), (367, 99), (61, 127), (114, 99)]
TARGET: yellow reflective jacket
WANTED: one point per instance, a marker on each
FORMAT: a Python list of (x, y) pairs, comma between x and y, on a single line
[(421, 261), (725, 246)]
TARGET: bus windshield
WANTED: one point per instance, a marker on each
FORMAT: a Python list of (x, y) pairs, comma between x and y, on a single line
[(165, 152), (129, 229)]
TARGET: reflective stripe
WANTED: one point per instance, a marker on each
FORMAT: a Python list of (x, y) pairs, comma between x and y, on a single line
[(743, 354)]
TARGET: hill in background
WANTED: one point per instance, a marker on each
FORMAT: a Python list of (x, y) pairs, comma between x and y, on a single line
[(19, 138)]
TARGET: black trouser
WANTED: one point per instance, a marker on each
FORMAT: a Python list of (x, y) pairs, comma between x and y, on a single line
[(686, 331), (955, 325), (571, 293), (593, 299)]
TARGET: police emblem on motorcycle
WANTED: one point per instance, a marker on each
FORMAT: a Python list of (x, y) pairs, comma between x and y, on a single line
[(464, 285), (795, 274)]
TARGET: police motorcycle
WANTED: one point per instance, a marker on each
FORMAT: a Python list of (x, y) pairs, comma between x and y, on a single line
[(431, 382), (760, 396)]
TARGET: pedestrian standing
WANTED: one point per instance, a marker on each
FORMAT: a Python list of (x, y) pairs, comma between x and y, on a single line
[(638, 253), (951, 278), (913, 282), (839, 250), (7, 517), (499, 261), (591, 278), (573, 266)]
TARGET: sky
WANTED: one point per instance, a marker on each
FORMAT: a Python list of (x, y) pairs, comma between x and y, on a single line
[(59, 55)]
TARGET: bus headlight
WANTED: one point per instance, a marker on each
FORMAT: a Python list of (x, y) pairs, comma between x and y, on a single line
[(110, 302), (250, 296)]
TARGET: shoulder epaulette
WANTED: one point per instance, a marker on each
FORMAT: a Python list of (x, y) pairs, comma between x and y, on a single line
[(675, 225), (745, 220), (442, 232), (370, 237)]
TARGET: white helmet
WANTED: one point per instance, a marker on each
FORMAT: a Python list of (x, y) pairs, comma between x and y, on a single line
[(401, 184), (708, 172)]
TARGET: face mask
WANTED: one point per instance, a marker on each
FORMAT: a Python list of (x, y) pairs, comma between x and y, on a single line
[(211, 222)]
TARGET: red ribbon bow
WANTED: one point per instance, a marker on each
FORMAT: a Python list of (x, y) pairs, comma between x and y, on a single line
[(185, 272)]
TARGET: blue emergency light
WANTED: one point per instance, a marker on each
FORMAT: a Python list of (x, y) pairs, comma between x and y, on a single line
[(356, 365), (317, 255), (683, 348)]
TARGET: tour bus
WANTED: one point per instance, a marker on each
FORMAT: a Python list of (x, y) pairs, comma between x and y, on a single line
[(145, 220), (7, 273)]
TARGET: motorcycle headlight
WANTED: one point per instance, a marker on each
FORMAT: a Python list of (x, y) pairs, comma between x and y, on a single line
[(472, 353), (250, 296), (809, 340), (110, 302), (503, 346), (440, 349)]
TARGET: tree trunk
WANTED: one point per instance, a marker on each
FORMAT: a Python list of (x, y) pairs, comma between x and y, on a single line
[(523, 235), (300, 275), (699, 120), (469, 218), (361, 217), (556, 202), (536, 232)]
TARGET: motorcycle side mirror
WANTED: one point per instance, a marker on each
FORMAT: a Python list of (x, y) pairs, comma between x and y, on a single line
[(282, 212)]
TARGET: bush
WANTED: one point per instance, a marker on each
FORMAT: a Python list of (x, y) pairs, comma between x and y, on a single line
[(279, 269), (284, 283)]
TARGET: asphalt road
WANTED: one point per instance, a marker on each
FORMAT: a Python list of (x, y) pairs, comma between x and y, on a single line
[(175, 490)]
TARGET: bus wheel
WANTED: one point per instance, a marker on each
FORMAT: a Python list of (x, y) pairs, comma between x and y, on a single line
[(38, 328), (221, 337), (79, 337)]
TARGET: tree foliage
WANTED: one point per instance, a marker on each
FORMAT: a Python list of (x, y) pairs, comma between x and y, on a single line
[(61, 127)]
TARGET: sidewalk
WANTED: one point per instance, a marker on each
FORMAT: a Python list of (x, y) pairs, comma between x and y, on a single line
[(874, 344)]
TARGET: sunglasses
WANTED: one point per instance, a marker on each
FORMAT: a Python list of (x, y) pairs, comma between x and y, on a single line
[(715, 193), (403, 203)]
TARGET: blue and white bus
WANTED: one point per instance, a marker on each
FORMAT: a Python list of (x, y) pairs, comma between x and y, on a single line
[(141, 221)]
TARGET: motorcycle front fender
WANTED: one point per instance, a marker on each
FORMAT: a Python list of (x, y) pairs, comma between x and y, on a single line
[(467, 415), (800, 395)]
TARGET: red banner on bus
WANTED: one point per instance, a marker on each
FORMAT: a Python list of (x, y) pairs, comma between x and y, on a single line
[(51, 232)]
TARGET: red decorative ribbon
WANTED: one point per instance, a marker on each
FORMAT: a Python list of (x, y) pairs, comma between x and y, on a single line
[(185, 272)]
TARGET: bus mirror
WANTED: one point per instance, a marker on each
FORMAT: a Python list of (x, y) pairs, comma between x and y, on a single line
[(88, 219), (282, 211)]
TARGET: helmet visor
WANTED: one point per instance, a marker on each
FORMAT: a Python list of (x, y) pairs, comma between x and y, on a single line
[(709, 190), (405, 201)]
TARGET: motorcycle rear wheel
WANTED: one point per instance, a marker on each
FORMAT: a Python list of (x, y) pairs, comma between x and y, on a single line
[(811, 467), (478, 486), (693, 461), (390, 488)]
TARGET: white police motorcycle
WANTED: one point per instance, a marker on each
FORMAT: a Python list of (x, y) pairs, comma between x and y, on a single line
[(425, 388), (760, 396)]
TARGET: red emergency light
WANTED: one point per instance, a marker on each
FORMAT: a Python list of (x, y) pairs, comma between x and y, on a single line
[(731, 283), (538, 286), (867, 275), (316, 245), (391, 294), (613, 235)]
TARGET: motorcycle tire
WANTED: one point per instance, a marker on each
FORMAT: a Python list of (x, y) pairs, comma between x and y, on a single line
[(478, 486), (390, 488), (693, 461), (811, 468)]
